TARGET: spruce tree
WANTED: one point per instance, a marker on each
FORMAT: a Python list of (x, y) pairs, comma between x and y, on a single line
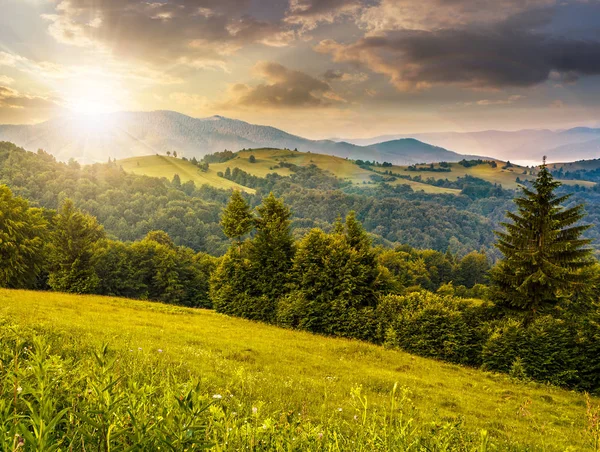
[(237, 219), (71, 250), (544, 254), (272, 247)]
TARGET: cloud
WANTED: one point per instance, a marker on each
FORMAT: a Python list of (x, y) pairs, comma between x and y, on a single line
[(11, 98), (200, 33), (510, 53), (487, 102), (109, 69), (438, 14), (310, 13), (339, 76), (5, 80), (283, 88)]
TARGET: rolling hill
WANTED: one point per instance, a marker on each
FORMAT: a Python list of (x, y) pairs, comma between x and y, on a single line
[(267, 161), (261, 378), (507, 177), (90, 139)]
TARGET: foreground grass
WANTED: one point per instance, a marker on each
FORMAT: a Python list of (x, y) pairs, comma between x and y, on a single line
[(301, 387)]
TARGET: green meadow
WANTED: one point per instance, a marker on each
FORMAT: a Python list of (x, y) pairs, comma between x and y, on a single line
[(260, 387), (507, 177), (267, 161)]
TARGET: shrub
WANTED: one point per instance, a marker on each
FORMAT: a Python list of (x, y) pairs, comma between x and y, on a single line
[(546, 350), (435, 326)]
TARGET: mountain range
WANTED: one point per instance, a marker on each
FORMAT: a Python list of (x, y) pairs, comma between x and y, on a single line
[(521, 146), (95, 138)]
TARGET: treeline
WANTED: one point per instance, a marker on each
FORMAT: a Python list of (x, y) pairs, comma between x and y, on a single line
[(68, 251), (127, 205)]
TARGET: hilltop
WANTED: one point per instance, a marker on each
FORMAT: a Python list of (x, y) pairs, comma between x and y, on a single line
[(95, 138), (275, 161), (317, 384)]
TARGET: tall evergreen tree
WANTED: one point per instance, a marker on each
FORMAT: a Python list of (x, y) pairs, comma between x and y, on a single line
[(544, 254), (237, 219), (71, 250), (272, 248)]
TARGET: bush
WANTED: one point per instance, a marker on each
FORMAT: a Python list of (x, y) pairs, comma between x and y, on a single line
[(435, 326), (546, 350)]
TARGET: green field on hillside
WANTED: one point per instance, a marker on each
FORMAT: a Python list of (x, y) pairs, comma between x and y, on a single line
[(505, 177), (267, 161), (269, 377), (163, 166)]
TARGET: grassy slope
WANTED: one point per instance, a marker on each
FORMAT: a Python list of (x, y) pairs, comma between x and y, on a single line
[(507, 178), (266, 160), (295, 370), (162, 166)]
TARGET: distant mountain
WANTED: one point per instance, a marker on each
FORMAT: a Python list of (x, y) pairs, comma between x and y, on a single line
[(522, 145), (120, 135)]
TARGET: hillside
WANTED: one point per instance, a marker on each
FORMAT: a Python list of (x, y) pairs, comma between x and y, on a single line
[(507, 177), (122, 135), (267, 161), (163, 166), (316, 384)]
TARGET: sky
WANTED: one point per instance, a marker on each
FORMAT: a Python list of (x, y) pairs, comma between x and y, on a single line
[(316, 68)]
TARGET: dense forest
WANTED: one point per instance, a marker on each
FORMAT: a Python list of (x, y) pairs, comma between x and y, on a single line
[(533, 314), (130, 206)]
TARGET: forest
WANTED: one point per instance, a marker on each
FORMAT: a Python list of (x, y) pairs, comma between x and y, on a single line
[(531, 312)]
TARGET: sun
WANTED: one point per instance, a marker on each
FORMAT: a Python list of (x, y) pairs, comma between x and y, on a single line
[(94, 97)]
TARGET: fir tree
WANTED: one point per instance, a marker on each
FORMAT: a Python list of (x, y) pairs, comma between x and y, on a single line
[(272, 247), (544, 254), (71, 250), (237, 219)]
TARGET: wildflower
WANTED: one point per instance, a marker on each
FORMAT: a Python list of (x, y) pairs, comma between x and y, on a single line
[(19, 390), (254, 410), (355, 417), (139, 349), (339, 409), (160, 350), (320, 435), (217, 396)]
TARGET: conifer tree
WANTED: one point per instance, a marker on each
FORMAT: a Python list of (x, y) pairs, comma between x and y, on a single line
[(544, 254), (237, 219), (71, 249), (272, 247)]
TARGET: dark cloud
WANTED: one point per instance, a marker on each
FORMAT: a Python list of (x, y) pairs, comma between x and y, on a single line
[(284, 88), (189, 31), (510, 53), (331, 74)]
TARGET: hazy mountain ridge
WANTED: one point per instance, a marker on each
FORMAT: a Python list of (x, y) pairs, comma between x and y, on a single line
[(127, 134), (530, 144)]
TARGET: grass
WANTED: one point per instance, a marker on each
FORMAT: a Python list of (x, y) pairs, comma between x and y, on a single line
[(506, 177), (163, 166), (321, 386), (267, 161)]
